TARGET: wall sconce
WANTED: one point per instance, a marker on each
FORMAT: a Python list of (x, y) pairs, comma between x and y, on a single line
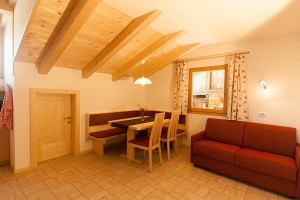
[(264, 84)]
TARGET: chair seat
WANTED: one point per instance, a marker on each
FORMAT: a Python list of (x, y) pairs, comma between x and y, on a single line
[(142, 141), (108, 133), (164, 132)]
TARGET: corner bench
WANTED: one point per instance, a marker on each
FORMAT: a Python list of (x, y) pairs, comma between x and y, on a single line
[(102, 133)]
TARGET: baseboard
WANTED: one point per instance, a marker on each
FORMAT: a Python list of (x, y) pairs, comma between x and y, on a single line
[(85, 152), (5, 162), (17, 171)]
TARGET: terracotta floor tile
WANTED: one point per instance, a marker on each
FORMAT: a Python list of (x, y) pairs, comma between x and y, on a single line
[(92, 177), (202, 191)]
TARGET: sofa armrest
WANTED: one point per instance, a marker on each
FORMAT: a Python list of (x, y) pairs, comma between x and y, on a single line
[(198, 136), (297, 156)]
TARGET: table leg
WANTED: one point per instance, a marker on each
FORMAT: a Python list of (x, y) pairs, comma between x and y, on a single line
[(130, 136)]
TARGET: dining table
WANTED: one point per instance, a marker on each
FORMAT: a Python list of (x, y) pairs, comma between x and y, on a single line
[(133, 126)]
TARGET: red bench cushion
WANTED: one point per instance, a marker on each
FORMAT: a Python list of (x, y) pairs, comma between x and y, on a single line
[(108, 133), (226, 131), (216, 150), (270, 138), (267, 163), (164, 132)]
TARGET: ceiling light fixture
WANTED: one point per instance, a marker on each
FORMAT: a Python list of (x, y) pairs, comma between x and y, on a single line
[(143, 80)]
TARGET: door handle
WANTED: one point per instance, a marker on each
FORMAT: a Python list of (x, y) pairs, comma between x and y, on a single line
[(67, 118)]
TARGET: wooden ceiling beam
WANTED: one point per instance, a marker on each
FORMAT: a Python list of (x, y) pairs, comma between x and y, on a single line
[(18, 56), (127, 34), (77, 17), (167, 59), (160, 43)]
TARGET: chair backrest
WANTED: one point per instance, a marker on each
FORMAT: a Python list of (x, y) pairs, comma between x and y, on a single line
[(156, 129), (172, 130)]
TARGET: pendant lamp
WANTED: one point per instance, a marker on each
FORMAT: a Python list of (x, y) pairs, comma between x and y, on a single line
[(143, 80)]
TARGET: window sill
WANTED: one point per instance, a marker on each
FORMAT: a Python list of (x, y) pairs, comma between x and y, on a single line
[(207, 113)]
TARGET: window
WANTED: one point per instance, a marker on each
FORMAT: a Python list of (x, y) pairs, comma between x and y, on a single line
[(207, 90)]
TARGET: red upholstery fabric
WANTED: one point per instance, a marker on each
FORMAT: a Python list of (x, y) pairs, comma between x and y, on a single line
[(102, 118), (256, 178), (142, 141), (180, 131), (108, 133), (197, 137), (164, 132), (297, 158), (267, 163), (230, 132), (269, 138), (216, 150)]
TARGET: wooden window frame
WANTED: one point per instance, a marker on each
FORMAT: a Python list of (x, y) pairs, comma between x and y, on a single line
[(207, 111)]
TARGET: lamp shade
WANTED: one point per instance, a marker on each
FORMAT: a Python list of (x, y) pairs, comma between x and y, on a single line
[(142, 81)]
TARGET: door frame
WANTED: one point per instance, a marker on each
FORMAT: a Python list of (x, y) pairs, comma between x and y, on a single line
[(75, 126)]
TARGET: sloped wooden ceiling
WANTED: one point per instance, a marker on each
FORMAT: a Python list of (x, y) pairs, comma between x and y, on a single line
[(91, 36)]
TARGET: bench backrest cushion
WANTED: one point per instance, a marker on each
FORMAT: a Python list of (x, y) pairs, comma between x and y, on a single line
[(102, 118), (270, 138), (226, 131)]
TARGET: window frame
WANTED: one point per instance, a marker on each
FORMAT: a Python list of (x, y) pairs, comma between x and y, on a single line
[(207, 111)]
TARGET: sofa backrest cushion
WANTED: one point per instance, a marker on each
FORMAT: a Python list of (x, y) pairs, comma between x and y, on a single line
[(270, 138), (226, 131)]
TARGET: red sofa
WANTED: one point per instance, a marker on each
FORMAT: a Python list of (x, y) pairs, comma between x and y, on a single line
[(264, 155)]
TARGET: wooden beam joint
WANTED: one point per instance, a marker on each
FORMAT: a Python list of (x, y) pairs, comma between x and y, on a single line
[(127, 34), (160, 43), (77, 17)]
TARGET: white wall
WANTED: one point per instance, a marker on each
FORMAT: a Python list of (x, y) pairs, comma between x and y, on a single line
[(97, 94), (8, 73), (22, 12), (277, 60)]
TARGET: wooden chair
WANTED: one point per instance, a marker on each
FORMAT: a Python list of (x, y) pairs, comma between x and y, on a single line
[(169, 134), (149, 143)]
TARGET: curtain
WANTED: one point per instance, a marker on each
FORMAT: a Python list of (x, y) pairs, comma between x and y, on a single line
[(6, 113), (181, 87), (237, 106)]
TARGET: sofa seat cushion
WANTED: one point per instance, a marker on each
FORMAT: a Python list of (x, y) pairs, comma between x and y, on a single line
[(267, 163), (108, 133), (216, 150)]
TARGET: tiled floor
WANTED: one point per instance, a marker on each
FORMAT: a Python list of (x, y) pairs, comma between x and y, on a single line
[(110, 177)]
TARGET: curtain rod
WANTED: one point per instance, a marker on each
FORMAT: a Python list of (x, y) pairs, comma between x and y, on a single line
[(211, 56)]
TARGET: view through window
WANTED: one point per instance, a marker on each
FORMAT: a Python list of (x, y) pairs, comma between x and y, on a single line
[(207, 90)]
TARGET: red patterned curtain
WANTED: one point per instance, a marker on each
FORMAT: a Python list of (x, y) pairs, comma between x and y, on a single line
[(6, 114), (181, 87), (237, 104)]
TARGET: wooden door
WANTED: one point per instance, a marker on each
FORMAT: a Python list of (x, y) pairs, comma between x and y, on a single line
[(54, 125)]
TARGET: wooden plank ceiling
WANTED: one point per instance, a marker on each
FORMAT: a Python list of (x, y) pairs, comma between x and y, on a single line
[(91, 36)]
